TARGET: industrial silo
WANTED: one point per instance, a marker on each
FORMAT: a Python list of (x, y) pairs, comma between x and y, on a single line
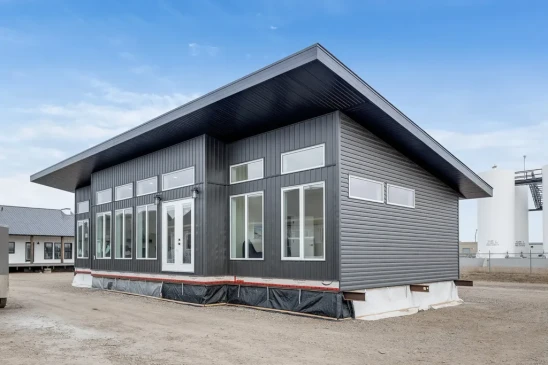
[(496, 222), (521, 219)]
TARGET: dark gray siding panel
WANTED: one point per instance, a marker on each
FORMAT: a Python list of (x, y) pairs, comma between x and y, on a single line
[(177, 157), (216, 216), (81, 195), (386, 245), (270, 146)]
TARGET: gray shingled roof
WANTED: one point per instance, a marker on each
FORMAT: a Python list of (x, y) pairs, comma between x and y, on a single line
[(36, 221)]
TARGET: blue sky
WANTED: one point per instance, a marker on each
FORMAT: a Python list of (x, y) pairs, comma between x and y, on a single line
[(73, 73)]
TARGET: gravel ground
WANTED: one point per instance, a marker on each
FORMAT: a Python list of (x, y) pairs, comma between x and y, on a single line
[(49, 322)]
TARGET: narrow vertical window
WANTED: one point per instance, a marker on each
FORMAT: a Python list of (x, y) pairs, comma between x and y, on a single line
[(48, 250), (123, 223), (27, 251), (146, 232), (82, 239), (246, 226), (67, 254), (11, 247), (103, 235), (57, 251), (303, 222)]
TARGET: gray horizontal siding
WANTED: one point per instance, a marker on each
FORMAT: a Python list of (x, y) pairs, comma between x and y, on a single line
[(385, 245), (80, 195), (177, 157), (270, 146)]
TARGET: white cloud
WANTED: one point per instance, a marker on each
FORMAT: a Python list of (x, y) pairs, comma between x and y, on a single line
[(196, 49), (18, 190), (272, 27)]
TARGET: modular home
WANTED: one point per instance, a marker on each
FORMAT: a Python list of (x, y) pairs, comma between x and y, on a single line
[(297, 187), (39, 237)]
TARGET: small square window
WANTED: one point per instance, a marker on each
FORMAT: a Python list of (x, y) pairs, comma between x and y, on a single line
[(82, 207)]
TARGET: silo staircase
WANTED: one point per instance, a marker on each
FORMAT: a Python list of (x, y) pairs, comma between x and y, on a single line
[(533, 178)]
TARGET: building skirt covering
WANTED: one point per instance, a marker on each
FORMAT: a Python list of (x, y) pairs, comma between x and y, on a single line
[(329, 304)]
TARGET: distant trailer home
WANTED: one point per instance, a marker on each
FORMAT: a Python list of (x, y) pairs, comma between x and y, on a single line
[(39, 238), (297, 188)]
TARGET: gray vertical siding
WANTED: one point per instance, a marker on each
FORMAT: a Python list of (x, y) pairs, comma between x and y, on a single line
[(177, 157), (386, 245), (80, 195), (270, 146)]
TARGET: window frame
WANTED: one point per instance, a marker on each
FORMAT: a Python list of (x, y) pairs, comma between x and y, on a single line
[(104, 235), (176, 171), (82, 221), (368, 180), (146, 231), (123, 186), (403, 188), (301, 230), (71, 251), (10, 251), (60, 245), (78, 211), (246, 163), (123, 210), (143, 180), (246, 215), (52, 254), (28, 246), (97, 195), (283, 154)]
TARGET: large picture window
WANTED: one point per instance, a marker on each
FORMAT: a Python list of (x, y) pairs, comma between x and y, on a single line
[(147, 186), (247, 171), (303, 222), (82, 239), (103, 196), (102, 235), (365, 189), (303, 159), (146, 232), (396, 195), (178, 179), (123, 238), (48, 250), (246, 226)]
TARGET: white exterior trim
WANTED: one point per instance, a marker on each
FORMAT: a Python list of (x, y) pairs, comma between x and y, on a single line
[(399, 187), (102, 191), (368, 180), (144, 180), (122, 186), (246, 253), (301, 150), (246, 163), (174, 172)]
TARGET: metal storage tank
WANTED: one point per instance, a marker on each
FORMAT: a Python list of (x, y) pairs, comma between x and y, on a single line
[(521, 219), (496, 225), (545, 208)]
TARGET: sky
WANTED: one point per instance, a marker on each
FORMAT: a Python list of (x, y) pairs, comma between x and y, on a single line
[(472, 73)]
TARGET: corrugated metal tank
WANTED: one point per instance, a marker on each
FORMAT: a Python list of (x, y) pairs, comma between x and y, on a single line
[(496, 225), (545, 208), (521, 219)]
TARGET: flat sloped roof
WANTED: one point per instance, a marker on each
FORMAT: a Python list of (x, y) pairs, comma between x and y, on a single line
[(36, 221), (306, 84)]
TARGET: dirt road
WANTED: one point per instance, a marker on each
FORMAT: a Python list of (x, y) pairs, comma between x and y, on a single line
[(49, 322)]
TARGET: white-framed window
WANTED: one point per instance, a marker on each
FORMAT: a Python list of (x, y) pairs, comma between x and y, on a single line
[(147, 186), (365, 189), (247, 171), (123, 233), (303, 159), (48, 250), (246, 226), (104, 196), (303, 222), (123, 192), (82, 207), (147, 232), (178, 179), (397, 195), (82, 239), (103, 231)]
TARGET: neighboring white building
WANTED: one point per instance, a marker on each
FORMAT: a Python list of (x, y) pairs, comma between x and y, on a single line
[(39, 237)]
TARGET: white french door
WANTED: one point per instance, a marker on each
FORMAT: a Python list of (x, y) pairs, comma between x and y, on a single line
[(178, 235)]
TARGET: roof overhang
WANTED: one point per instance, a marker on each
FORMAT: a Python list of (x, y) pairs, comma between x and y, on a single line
[(306, 84)]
